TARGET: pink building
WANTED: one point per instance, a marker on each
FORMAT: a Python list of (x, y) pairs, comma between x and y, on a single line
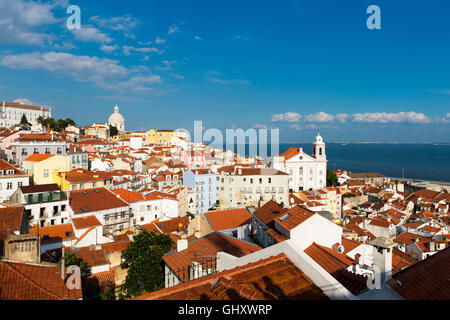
[(193, 159)]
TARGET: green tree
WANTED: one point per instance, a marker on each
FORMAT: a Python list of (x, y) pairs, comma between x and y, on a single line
[(108, 292), (57, 125), (72, 260), (190, 215), (143, 261), (113, 131), (332, 178), (24, 119)]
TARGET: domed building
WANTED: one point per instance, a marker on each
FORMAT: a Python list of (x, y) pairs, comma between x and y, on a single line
[(117, 120)]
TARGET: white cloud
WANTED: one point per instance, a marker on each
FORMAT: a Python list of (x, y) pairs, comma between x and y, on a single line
[(448, 115), (90, 34), (342, 117), (20, 21), (177, 76), (295, 126), (198, 38), (173, 29), (218, 77), (259, 126), (109, 49), (122, 23), (286, 117), (241, 36), (159, 40), (167, 65), (384, 117), (319, 117), (104, 73), (24, 101), (128, 49)]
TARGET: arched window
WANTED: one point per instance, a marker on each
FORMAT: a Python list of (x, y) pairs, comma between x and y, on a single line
[(320, 151)]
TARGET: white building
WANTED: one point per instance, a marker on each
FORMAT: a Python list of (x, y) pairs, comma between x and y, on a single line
[(306, 172), (238, 187), (10, 179), (45, 204), (11, 113), (117, 120)]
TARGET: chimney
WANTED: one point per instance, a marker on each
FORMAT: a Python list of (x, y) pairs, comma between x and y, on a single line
[(358, 258), (382, 256), (48, 128), (182, 245)]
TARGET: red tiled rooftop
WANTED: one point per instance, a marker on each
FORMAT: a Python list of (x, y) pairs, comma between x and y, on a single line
[(274, 278), (228, 219), (20, 281), (92, 200)]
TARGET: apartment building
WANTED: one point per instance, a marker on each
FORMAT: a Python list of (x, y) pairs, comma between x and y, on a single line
[(239, 187)]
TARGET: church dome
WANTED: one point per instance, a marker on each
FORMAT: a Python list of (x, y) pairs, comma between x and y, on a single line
[(116, 117), (318, 138)]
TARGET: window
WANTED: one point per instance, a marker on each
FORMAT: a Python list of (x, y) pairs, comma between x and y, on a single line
[(9, 185), (19, 184), (270, 180)]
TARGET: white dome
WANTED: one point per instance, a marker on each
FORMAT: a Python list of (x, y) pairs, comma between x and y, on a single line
[(116, 117), (318, 139)]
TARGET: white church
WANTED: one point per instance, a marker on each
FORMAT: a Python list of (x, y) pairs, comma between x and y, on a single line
[(117, 120), (306, 172)]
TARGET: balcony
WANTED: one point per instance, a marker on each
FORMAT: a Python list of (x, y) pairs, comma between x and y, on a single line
[(45, 197)]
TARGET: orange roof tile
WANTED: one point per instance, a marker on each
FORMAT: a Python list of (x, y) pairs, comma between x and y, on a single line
[(36, 157), (20, 281), (86, 222), (228, 219), (92, 200), (274, 278)]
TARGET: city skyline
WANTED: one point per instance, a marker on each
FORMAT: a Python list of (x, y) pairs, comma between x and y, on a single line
[(296, 66)]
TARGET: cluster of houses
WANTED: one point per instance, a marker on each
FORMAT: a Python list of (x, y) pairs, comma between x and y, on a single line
[(242, 227)]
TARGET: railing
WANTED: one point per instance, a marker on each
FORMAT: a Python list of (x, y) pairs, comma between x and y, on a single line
[(196, 270)]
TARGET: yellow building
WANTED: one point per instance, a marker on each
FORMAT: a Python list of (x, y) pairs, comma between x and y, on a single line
[(45, 167), (164, 137), (83, 179)]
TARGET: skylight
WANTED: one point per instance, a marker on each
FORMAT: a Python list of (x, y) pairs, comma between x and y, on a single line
[(287, 215)]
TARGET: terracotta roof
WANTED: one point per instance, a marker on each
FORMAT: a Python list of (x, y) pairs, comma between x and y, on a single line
[(349, 244), (207, 247), (10, 221), (259, 172), (129, 196), (335, 264), (428, 279), (228, 219), (118, 246), (274, 278), (168, 226), (24, 106), (276, 235), (407, 238), (7, 166), (289, 153), (294, 217), (380, 222), (56, 233), (92, 200), (86, 222), (36, 157), (400, 260), (94, 283), (21, 281), (269, 212), (82, 175), (93, 258), (40, 188)]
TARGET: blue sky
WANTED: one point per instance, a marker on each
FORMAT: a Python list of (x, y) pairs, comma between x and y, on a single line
[(300, 66)]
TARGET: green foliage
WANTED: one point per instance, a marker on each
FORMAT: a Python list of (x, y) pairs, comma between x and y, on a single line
[(24, 119), (72, 260), (113, 131), (57, 125), (332, 178), (444, 190), (190, 215), (143, 259), (108, 292)]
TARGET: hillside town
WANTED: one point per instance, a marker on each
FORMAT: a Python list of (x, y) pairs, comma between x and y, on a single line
[(230, 226)]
